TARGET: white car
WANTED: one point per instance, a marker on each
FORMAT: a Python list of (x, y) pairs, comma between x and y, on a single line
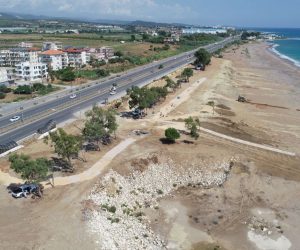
[(113, 92), (73, 96), (15, 118)]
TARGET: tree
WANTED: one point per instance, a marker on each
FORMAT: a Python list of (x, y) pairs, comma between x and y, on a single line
[(187, 73), (193, 125), (2, 95), (172, 134), (212, 104), (31, 170), (23, 89), (119, 53), (171, 84), (65, 145), (66, 74), (144, 98), (202, 57), (99, 123), (132, 38)]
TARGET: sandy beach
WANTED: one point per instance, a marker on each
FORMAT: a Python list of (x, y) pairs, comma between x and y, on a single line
[(254, 205)]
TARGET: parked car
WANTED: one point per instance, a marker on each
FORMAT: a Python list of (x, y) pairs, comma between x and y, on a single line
[(73, 96), (15, 118), (19, 191)]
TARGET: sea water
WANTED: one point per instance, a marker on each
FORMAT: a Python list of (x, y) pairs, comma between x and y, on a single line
[(288, 47)]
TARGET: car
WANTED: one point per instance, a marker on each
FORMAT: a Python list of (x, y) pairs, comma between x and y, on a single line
[(112, 92), (113, 88), (19, 193), (15, 118), (73, 96)]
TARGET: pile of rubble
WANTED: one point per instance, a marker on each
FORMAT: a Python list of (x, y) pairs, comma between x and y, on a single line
[(120, 221), (263, 227)]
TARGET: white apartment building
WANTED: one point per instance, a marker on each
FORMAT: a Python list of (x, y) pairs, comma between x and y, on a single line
[(52, 46), (56, 59), (101, 53), (3, 76), (76, 57), (30, 71), (25, 45), (11, 57)]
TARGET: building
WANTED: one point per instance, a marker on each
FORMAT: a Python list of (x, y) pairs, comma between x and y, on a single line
[(25, 45), (31, 71), (7, 76), (52, 46), (102, 53), (11, 57), (3, 76), (56, 59), (76, 57)]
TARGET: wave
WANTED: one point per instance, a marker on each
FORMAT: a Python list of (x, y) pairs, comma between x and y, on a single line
[(274, 50)]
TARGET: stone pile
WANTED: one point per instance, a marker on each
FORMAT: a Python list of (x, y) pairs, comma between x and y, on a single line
[(120, 222)]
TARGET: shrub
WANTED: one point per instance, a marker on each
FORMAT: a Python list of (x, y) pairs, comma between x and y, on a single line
[(172, 134), (2, 95)]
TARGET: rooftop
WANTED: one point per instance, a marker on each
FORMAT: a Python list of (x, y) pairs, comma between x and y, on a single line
[(51, 52)]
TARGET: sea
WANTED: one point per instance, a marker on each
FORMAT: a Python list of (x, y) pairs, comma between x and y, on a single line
[(288, 47)]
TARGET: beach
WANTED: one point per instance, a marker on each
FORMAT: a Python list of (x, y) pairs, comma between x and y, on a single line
[(250, 201)]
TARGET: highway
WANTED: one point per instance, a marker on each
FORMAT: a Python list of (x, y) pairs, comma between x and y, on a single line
[(62, 108)]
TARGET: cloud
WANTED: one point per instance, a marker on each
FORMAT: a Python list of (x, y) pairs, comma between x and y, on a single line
[(95, 9)]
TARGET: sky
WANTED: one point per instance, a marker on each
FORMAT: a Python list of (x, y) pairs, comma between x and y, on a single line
[(242, 13)]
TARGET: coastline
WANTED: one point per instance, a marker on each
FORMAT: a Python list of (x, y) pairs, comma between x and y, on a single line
[(272, 48)]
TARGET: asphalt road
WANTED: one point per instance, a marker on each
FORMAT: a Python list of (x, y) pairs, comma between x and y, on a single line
[(94, 94)]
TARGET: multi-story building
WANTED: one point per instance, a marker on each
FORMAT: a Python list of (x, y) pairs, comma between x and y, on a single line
[(76, 57), (52, 46), (25, 45), (56, 59), (30, 71), (15, 56), (101, 53), (3, 76)]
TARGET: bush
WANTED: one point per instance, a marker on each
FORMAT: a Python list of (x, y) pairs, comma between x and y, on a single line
[(66, 74), (2, 95), (5, 89), (172, 134), (23, 89)]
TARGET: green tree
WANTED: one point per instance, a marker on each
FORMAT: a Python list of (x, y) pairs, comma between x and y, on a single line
[(172, 134), (187, 73), (2, 95), (31, 170), (66, 74), (193, 125), (100, 122), (132, 38), (23, 89), (202, 57), (65, 145), (212, 104), (119, 53)]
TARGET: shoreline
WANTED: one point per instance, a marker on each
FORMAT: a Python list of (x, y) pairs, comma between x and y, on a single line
[(271, 47)]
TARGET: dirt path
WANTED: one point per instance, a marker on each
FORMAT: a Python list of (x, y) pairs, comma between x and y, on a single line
[(180, 125), (95, 170)]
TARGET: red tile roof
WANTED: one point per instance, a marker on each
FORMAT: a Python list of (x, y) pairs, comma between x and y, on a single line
[(73, 50), (52, 52)]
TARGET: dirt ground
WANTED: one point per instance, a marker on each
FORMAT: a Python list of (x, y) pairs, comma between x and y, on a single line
[(262, 186)]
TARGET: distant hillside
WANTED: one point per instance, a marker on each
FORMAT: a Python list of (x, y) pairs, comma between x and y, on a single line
[(14, 19)]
